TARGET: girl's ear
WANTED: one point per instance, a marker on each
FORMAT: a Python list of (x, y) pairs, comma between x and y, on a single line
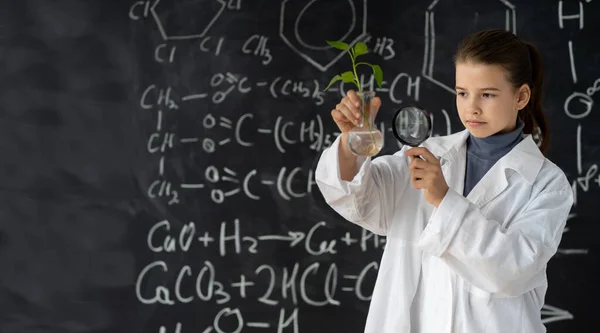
[(523, 96)]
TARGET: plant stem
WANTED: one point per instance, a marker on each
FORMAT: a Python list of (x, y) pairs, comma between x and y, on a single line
[(366, 120), (364, 107), (354, 70)]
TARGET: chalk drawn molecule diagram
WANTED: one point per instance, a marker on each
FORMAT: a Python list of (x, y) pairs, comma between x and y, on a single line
[(292, 14), (478, 15), (152, 8)]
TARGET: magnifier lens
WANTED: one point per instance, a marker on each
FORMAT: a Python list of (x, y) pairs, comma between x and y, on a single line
[(412, 125)]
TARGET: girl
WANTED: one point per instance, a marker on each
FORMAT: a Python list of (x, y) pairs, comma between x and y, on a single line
[(471, 227)]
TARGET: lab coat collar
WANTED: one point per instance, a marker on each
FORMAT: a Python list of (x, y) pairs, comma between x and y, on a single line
[(525, 158)]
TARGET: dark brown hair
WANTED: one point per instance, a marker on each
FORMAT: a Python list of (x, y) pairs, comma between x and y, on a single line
[(523, 64)]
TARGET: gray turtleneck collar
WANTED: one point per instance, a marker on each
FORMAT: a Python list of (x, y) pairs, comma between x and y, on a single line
[(483, 153)]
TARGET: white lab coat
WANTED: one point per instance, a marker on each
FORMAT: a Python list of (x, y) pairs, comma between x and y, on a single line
[(474, 264)]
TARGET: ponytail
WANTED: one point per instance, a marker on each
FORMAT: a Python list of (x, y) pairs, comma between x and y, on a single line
[(533, 115), (524, 65)]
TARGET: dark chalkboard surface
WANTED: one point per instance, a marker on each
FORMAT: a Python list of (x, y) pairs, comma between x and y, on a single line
[(158, 156)]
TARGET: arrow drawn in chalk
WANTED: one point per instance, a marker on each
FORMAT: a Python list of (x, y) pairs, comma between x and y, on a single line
[(551, 314), (294, 237)]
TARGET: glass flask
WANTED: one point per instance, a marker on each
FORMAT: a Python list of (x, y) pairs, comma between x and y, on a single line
[(365, 139)]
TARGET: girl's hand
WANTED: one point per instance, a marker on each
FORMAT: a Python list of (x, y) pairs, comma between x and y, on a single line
[(347, 112), (427, 175)]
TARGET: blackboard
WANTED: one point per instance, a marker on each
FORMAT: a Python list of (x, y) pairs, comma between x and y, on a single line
[(158, 156)]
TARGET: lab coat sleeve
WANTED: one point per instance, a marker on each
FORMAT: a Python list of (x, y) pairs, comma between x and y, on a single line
[(503, 261), (368, 199)]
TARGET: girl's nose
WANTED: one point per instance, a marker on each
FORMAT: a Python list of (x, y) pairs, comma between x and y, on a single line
[(473, 107)]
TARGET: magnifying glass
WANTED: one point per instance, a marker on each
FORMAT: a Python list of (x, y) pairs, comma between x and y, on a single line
[(412, 125)]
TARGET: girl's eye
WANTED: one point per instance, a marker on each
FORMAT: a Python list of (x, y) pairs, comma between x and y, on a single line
[(462, 94), (488, 95)]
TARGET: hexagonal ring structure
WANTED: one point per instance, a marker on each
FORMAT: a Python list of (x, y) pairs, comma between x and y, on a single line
[(474, 15), (315, 54), (162, 27)]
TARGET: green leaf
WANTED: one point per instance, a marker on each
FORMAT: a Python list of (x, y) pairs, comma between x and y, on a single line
[(359, 49), (348, 77), (338, 45), (333, 80), (378, 73)]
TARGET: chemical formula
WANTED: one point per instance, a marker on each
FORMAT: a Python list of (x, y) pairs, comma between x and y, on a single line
[(248, 67)]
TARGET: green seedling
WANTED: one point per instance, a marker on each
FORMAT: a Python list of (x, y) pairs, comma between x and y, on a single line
[(359, 49)]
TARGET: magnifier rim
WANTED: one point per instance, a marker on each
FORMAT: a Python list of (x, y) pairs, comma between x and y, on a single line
[(397, 135)]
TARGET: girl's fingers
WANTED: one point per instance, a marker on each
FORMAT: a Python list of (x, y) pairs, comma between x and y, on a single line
[(353, 97), (418, 174), (375, 105), (348, 103), (337, 116), (422, 151), (418, 183), (347, 113), (417, 163)]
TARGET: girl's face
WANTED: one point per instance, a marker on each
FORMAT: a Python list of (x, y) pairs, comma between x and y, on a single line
[(486, 101)]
